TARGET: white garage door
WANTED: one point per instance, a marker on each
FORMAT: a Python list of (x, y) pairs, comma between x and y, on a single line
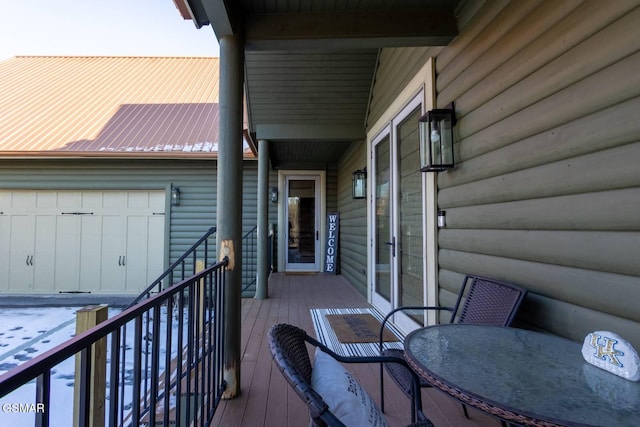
[(109, 242)]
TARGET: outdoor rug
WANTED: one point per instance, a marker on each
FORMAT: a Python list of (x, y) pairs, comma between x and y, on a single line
[(348, 343)]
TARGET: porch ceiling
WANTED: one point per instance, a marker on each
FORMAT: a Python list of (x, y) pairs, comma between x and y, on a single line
[(310, 64)]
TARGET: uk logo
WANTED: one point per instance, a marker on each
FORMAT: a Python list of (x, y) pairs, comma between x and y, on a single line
[(606, 351)]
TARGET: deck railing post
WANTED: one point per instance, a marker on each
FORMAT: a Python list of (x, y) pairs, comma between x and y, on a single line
[(87, 318), (229, 233)]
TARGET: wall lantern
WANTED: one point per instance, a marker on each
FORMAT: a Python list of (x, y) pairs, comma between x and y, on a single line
[(436, 140), (273, 194), (359, 181), (175, 196)]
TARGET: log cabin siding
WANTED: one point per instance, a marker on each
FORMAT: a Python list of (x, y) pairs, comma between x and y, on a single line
[(353, 219), (547, 188), (546, 191)]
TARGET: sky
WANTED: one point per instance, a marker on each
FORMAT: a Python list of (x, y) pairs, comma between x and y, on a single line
[(100, 27)]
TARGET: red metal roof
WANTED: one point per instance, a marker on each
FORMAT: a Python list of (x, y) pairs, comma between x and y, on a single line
[(109, 106)]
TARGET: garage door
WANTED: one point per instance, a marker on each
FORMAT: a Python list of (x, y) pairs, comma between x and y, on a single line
[(109, 242)]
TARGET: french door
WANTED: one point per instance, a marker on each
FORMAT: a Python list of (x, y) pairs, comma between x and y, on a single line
[(398, 245)]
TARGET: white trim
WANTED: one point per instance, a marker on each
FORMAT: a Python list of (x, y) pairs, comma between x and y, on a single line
[(421, 85), (282, 223)]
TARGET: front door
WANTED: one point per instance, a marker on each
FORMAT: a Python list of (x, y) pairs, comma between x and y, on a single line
[(302, 213), (398, 243)]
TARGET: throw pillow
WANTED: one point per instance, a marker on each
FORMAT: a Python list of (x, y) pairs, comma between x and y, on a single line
[(345, 396)]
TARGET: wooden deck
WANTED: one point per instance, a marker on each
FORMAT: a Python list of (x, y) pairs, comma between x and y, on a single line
[(267, 400)]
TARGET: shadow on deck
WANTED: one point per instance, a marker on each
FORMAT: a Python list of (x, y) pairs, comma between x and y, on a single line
[(267, 400)]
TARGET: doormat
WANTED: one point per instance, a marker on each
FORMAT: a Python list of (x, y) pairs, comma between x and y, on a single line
[(358, 328), (326, 335)]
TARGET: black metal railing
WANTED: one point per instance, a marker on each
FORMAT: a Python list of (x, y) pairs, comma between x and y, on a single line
[(249, 262), (169, 370), (202, 250)]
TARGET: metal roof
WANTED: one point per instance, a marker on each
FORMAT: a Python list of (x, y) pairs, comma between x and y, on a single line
[(109, 106)]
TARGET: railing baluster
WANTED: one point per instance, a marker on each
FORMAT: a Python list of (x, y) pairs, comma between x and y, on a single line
[(179, 373), (137, 366), (43, 393), (190, 320), (167, 361), (113, 378), (123, 347), (155, 369), (85, 386)]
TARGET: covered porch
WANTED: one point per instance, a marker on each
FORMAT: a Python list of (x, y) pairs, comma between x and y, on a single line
[(267, 400)]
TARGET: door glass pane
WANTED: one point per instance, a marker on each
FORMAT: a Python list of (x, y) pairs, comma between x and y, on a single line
[(409, 244), (301, 202), (383, 219)]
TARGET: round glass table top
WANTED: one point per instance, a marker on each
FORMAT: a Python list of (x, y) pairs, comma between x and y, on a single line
[(540, 376)]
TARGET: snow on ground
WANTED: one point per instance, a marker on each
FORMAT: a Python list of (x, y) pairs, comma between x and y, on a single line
[(27, 332)]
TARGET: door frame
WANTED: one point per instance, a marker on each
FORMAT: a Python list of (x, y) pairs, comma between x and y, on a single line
[(321, 210), (421, 87)]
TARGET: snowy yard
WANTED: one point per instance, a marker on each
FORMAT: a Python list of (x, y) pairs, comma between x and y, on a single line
[(27, 332)]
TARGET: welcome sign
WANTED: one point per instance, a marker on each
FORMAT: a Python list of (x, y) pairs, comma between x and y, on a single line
[(331, 258)]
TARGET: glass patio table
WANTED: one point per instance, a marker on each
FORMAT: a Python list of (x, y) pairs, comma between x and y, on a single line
[(525, 377)]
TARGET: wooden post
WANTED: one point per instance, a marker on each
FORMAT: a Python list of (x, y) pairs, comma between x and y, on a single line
[(87, 318), (229, 218)]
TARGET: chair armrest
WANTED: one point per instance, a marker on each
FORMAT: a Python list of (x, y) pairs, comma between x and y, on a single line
[(356, 359), (394, 311)]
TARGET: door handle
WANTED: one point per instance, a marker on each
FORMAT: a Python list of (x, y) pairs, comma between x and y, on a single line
[(27, 260), (120, 260), (317, 235), (392, 243), (31, 260), (123, 259)]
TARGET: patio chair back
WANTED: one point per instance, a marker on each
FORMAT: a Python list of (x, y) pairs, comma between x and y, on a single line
[(487, 302), (288, 347)]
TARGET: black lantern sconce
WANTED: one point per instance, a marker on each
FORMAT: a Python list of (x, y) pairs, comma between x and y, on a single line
[(273, 194), (359, 182), (175, 196), (436, 140)]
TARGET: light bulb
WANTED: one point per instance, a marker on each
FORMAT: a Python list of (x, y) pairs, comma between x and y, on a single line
[(435, 135)]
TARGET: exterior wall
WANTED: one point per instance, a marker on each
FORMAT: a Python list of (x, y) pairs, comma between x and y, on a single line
[(546, 192), (195, 178), (353, 219)]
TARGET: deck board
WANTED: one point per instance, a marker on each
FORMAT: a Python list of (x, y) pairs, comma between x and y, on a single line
[(267, 400)]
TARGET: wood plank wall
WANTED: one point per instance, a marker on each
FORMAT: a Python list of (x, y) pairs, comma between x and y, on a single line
[(547, 188)]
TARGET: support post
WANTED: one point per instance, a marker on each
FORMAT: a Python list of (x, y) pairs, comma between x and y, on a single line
[(229, 232), (87, 318), (262, 290)]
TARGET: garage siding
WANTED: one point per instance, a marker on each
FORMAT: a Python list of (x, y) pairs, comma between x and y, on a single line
[(546, 192)]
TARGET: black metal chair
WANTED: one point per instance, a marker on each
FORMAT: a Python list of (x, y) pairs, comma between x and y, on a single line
[(487, 302), (288, 347)]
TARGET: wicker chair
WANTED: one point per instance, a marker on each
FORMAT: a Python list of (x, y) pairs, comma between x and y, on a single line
[(487, 302), (288, 347)]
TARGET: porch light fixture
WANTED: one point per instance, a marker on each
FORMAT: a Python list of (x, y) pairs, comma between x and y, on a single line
[(359, 181), (436, 140), (175, 196), (273, 194), (442, 219)]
